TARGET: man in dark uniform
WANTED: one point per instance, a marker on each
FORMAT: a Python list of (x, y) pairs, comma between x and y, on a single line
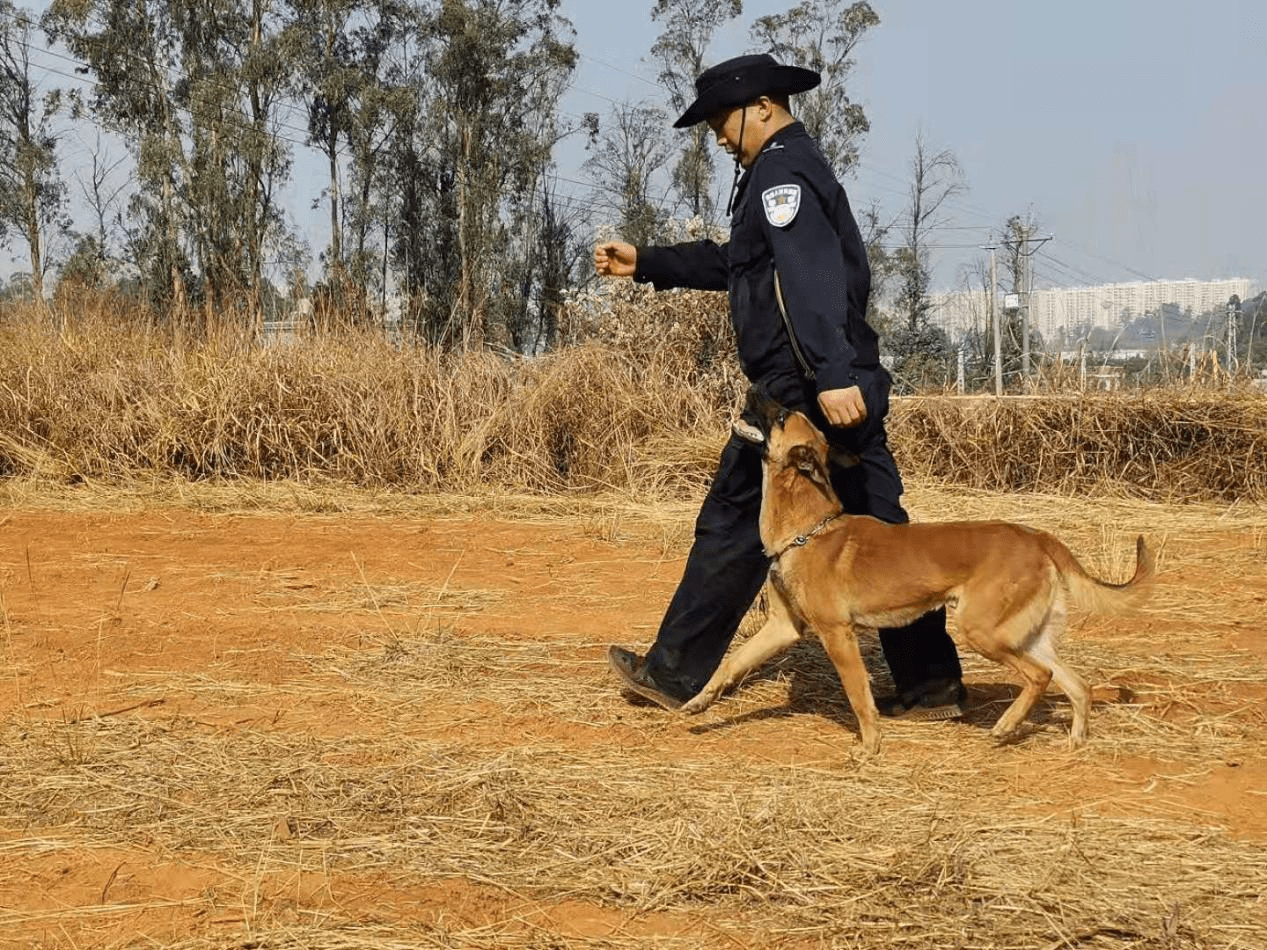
[(797, 274)]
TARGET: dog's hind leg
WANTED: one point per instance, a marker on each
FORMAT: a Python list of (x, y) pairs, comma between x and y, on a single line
[(1043, 652), (1073, 686), (840, 639), (1034, 680), (996, 640), (779, 632)]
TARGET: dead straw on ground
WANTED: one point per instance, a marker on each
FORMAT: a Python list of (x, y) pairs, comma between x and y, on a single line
[(919, 850), (936, 846)]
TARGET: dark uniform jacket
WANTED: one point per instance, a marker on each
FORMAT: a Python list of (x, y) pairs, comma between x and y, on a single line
[(791, 215)]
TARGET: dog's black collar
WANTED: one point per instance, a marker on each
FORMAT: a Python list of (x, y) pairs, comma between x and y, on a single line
[(803, 539)]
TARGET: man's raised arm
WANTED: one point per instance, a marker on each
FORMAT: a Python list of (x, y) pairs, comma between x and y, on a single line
[(698, 265)]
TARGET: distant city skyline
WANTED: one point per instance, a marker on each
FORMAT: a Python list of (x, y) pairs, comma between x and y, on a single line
[(1056, 312)]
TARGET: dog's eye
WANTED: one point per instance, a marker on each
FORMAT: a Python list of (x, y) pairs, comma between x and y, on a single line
[(782, 418)]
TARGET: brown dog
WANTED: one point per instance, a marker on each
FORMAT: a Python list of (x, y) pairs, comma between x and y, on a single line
[(835, 574)]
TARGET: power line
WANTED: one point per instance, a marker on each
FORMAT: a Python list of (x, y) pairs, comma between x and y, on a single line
[(236, 115), (597, 95), (1076, 272), (1051, 277), (953, 204), (659, 87), (1109, 260)]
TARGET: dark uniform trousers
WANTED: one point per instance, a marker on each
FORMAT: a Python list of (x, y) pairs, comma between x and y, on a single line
[(727, 564)]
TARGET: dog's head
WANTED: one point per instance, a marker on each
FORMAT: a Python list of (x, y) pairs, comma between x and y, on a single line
[(789, 441)]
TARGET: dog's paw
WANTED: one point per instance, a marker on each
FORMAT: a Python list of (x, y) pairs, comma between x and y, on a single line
[(697, 705), (1013, 734)]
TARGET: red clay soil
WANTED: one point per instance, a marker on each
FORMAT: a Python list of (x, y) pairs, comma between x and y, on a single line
[(133, 617)]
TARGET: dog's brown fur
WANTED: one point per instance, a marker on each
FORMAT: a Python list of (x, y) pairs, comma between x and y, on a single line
[(1009, 583)]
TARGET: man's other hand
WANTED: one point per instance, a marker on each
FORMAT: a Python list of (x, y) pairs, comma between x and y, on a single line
[(615, 259), (843, 407)]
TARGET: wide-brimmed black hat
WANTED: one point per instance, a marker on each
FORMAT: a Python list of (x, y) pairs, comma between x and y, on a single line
[(738, 81)]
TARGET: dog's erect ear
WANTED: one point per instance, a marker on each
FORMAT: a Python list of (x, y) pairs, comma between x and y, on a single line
[(748, 432), (807, 463)]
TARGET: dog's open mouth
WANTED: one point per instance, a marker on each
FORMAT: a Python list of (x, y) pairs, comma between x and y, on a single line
[(748, 432), (761, 413)]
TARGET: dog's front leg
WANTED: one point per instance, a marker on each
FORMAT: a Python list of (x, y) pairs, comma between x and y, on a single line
[(840, 639), (778, 633)]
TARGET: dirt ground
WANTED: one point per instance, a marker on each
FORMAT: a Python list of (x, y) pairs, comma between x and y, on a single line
[(237, 722)]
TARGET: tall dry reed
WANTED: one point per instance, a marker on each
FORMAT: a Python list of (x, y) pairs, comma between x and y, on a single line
[(99, 396), (1166, 444), (638, 400)]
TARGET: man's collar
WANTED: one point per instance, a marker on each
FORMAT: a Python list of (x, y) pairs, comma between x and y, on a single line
[(777, 140), (773, 144)]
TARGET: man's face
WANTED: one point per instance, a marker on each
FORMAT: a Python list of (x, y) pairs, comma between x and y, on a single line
[(730, 125)]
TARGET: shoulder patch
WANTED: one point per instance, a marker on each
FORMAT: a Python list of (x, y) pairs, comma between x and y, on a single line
[(781, 204)]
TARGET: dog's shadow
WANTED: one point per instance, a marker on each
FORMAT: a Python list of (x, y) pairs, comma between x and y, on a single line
[(814, 688)]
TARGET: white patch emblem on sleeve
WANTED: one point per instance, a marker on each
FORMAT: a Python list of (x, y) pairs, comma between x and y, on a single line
[(781, 204)]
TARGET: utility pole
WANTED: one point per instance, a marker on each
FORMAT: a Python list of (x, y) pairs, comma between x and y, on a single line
[(1233, 312), (1249, 344), (994, 320), (1025, 291)]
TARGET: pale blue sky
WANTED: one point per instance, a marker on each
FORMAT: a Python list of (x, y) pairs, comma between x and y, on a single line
[(1134, 130)]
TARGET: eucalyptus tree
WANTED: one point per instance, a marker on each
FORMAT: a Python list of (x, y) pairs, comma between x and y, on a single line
[(881, 260), (258, 68), (470, 161), (235, 84), (351, 61), (562, 247), (680, 51), (822, 35), (936, 178), (32, 194), (130, 49), (104, 183), (380, 106), (195, 88), (628, 155)]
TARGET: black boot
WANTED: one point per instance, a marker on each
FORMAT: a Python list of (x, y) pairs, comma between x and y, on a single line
[(638, 677), (929, 702)]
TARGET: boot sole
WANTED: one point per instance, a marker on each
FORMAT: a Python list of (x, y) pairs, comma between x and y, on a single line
[(927, 713)]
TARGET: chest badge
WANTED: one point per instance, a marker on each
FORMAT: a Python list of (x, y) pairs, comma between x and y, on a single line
[(781, 204)]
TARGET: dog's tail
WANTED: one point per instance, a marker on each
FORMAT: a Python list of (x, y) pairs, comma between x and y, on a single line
[(1096, 595)]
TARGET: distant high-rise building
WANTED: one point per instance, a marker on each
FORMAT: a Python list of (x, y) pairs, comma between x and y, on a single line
[(1083, 308)]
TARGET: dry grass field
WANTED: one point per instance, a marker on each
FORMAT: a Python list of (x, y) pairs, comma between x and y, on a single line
[(303, 647), (282, 716)]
